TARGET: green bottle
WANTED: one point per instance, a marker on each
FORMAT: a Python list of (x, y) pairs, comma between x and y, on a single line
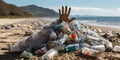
[(57, 27), (72, 47)]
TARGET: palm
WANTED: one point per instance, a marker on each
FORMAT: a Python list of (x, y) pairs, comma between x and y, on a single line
[(64, 15)]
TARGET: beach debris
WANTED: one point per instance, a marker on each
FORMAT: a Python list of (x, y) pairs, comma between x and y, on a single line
[(90, 52), (50, 54), (116, 48), (63, 35)]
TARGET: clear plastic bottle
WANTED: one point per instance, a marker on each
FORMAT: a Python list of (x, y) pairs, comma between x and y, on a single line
[(50, 54), (116, 48), (65, 28), (100, 48), (93, 38), (52, 34), (62, 40), (107, 44), (90, 52)]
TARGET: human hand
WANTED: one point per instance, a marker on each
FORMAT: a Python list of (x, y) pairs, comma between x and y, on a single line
[(64, 14)]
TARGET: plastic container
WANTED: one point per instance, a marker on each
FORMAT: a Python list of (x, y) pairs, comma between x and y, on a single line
[(52, 34), (90, 52), (116, 48), (62, 40), (92, 33), (93, 38), (82, 39), (57, 27), (50, 54), (108, 45), (74, 25), (41, 51), (74, 37), (26, 54), (100, 48), (73, 47), (60, 48), (65, 28)]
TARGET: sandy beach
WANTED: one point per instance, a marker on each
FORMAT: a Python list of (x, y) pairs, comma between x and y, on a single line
[(17, 33)]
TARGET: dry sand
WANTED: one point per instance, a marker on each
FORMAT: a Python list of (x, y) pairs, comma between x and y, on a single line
[(16, 34)]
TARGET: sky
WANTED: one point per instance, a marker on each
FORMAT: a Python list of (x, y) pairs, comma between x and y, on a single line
[(79, 7)]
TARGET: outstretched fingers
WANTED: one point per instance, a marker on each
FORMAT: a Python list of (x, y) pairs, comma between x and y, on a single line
[(62, 10), (59, 12), (65, 9), (69, 11)]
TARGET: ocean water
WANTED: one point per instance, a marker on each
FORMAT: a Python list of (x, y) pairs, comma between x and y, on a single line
[(113, 22)]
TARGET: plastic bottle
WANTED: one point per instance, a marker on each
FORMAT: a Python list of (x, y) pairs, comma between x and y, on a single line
[(92, 33), (116, 48), (62, 39), (57, 27), (75, 25), (52, 34), (65, 28), (50, 54), (93, 38), (74, 37), (60, 48), (26, 54), (82, 38), (73, 47), (90, 52), (108, 45), (100, 48), (41, 51)]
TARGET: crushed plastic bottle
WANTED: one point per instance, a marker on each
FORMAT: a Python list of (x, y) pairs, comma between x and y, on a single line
[(90, 52), (52, 34), (65, 28), (50, 54), (108, 45), (100, 48), (62, 40), (41, 51), (74, 25), (82, 39), (60, 48), (26, 54), (93, 38), (92, 33), (116, 48)]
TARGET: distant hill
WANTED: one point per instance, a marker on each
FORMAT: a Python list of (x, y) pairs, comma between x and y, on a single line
[(11, 10), (39, 11)]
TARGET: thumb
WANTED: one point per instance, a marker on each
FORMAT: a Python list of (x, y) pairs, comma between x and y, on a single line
[(72, 19)]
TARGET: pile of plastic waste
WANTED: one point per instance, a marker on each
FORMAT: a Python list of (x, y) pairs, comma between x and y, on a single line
[(60, 37)]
